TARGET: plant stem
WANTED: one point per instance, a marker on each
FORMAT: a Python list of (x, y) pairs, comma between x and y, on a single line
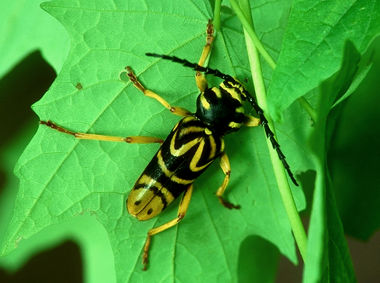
[(310, 110), (280, 174), (248, 27), (216, 20)]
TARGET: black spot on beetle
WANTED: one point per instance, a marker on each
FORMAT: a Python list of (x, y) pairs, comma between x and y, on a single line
[(150, 210), (137, 202)]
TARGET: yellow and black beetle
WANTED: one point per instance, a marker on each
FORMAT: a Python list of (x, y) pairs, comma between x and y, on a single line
[(192, 145)]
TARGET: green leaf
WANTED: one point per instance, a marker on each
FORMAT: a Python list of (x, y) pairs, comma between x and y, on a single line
[(313, 45), (356, 146), (25, 28), (258, 260), (328, 258), (15, 136), (62, 177)]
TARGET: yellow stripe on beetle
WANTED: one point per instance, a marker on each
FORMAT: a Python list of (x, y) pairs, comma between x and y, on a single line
[(234, 125), (204, 102), (170, 174)]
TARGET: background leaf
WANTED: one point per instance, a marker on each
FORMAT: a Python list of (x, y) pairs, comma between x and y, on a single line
[(258, 260), (313, 45), (25, 28), (356, 146), (328, 256)]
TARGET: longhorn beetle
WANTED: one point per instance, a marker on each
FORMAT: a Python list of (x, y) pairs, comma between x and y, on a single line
[(191, 146)]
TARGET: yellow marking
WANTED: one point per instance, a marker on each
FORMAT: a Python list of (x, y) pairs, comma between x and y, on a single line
[(213, 147), (184, 147), (217, 92), (252, 121), (197, 157), (149, 181), (169, 173), (237, 84), (187, 119), (240, 109), (191, 129), (222, 145), (204, 102), (207, 131), (234, 125), (175, 127), (234, 94)]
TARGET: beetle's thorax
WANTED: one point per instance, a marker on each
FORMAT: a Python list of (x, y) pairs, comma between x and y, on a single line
[(221, 108)]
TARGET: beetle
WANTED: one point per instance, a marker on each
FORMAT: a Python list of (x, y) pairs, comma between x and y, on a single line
[(191, 146)]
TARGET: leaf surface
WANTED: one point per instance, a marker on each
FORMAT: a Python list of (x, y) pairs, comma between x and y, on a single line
[(312, 48)]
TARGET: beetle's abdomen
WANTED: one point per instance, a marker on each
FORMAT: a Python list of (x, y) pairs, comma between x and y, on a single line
[(185, 154)]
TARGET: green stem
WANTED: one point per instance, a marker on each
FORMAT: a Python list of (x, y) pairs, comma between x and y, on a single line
[(280, 174), (248, 27), (216, 20), (310, 110)]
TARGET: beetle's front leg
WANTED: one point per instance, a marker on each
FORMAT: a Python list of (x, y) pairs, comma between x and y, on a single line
[(200, 78), (174, 109)]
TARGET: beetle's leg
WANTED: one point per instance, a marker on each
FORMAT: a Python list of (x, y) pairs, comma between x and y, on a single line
[(200, 78), (174, 109), (252, 121), (132, 139), (182, 209), (225, 164)]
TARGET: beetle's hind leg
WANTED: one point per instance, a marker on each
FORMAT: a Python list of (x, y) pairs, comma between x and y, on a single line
[(84, 136), (225, 165), (174, 109), (182, 209), (200, 78)]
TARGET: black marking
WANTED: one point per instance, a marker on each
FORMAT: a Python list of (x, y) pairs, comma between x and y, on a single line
[(150, 210), (137, 202)]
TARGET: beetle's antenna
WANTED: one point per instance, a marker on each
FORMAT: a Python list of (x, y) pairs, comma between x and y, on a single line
[(270, 136), (193, 66), (249, 97)]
